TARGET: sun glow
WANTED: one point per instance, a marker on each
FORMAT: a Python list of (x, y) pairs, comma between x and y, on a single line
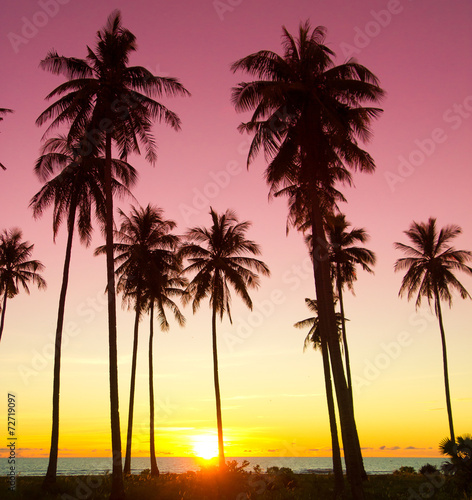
[(205, 446)]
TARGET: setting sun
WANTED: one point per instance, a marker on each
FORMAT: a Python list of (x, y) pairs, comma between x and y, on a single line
[(205, 447)]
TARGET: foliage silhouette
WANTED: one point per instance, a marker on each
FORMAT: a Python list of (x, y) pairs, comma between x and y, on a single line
[(219, 257), (112, 103), (308, 115), (430, 266), (16, 269), (76, 188)]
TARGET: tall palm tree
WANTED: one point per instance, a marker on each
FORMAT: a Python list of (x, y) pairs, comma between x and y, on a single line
[(308, 115), (344, 256), (430, 263), (319, 343), (16, 269), (112, 103), (142, 232), (164, 282), (76, 188), (219, 256), (4, 111)]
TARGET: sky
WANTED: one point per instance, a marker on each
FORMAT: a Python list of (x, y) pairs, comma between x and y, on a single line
[(272, 392)]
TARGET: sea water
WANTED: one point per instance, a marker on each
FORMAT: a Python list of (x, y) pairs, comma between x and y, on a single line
[(88, 466)]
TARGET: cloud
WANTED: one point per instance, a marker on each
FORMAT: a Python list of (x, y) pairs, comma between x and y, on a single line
[(391, 448), (273, 451)]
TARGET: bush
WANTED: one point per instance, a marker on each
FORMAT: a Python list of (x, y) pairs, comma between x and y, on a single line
[(404, 470), (282, 477), (428, 469), (460, 465)]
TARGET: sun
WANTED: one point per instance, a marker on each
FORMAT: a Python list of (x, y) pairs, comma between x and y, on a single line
[(205, 446)]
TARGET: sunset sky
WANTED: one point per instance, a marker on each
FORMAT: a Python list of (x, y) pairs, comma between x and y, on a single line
[(272, 393)]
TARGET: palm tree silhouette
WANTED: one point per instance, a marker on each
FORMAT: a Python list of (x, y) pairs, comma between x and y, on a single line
[(218, 256), (164, 282), (4, 111), (318, 340), (76, 188), (308, 115), (142, 232), (344, 256), (112, 103), (460, 464), (430, 266), (16, 269)]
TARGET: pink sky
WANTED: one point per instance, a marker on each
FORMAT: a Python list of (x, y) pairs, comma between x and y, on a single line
[(421, 51)]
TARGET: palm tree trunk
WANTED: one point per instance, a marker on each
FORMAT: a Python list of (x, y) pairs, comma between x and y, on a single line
[(50, 477), (219, 421), (446, 374), (343, 330), (117, 486), (127, 467), (154, 468), (327, 317), (348, 365), (337, 464), (4, 307)]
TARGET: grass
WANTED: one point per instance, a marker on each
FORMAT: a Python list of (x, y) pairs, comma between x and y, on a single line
[(234, 485)]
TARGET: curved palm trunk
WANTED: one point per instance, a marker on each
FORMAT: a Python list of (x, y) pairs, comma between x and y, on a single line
[(4, 307), (348, 366), (446, 374), (343, 330), (219, 421), (337, 464), (127, 466), (327, 317), (154, 468), (50, 477), (117, 486)]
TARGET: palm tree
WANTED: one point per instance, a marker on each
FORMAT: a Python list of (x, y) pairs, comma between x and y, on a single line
[(308, 115), (430, 266), (219, 257), (318, 340), (460, 464), (4, 111), (164, 282), (111, 102), (142, 232), (77, 187), (344, 256), (16, 269)]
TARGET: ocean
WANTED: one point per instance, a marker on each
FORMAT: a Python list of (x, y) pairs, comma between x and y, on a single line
[(92, 466)]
